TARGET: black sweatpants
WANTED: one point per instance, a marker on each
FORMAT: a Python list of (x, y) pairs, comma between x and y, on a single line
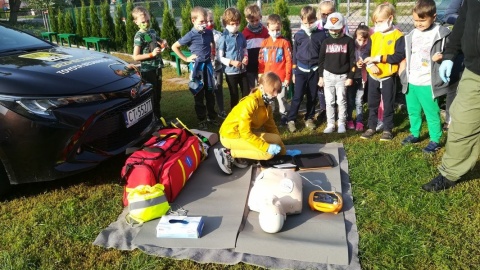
[(155, 78), (376, 90), (233, 81)]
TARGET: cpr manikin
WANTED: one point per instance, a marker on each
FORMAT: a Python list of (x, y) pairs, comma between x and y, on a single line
[(275, 194)]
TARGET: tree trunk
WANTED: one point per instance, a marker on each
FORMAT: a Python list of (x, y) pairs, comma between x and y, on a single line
[(14, 8)]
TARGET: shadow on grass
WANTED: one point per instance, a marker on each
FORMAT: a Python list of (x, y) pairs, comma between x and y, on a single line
[(107, 172)]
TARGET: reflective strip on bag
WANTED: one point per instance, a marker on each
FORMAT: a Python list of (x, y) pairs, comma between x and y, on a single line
[(195, 154), (183, 171), (147, 203)]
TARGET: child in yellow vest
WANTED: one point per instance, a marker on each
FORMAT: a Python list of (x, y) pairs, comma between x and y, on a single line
[(384, 52)]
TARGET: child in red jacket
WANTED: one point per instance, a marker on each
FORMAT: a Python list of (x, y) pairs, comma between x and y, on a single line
[(276, 56)]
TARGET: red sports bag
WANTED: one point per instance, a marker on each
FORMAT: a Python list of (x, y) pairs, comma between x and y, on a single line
[(169, 158)]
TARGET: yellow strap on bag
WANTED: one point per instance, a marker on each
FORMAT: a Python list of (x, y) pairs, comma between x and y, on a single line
[(146, 203)]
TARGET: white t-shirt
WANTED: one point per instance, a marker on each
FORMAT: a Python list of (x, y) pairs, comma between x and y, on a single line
[(421, 59)]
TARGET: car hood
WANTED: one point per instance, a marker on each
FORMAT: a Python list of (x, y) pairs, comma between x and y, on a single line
[(61, 71)]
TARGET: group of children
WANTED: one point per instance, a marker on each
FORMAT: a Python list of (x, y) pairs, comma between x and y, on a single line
[(323, 56)]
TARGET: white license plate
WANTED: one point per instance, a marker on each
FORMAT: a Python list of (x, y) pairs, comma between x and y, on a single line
[(134, 115)]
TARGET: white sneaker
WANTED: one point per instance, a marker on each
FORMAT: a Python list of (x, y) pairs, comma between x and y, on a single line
[(341, 128), (330, 128), (224, 160)]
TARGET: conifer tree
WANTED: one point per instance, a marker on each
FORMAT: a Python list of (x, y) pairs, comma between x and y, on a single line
[(78, 22), (153, 19), (186, 18), (94, 20), (120, 31), (108, 29), (241, 5), (85, 26), (217, 17), (170, 31), (131, 27), (281, 9), (60, 22), (68, 24), (52, 12)]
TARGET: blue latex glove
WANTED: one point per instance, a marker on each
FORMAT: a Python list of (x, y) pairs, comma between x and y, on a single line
[(274, 149), (445, 70), (293, 152)]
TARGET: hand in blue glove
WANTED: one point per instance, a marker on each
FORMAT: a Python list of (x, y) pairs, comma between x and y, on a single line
[(274, 149), (293, 152), (445, 70)]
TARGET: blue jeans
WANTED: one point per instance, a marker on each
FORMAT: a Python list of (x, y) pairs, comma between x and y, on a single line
[(305, 84)]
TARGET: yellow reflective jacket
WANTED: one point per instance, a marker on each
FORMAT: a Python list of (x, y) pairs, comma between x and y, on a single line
[(383, 44), (250, 114)]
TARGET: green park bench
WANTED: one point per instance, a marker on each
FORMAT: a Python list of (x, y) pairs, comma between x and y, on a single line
[(177, 60), (49, 35), (66, 37), (96, 42)]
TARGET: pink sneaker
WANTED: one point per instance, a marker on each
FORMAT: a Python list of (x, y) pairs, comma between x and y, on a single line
[(350, 125), (359, 127)]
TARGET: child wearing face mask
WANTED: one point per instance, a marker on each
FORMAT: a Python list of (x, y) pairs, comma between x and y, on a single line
[(325, 8), (249, 131), (422, 83), (306, 48), (254, 33), (217, 66), (336, 68), (202, 82), (232, 52), (276, 56), (356, 90), (385, 50), (147, 49)]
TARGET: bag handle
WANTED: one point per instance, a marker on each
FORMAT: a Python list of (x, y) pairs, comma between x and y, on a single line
[(179, 124)]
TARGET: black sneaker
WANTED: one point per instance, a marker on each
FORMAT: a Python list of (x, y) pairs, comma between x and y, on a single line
[(386, 136), (222, 114), (431, 148), (203, 125), (283, 120), (224, 159), (213, 122), (368, 134), (439, 183), (410, 139), (241, 163)]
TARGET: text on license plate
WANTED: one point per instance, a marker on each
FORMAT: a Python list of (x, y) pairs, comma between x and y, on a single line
[(134, 115)]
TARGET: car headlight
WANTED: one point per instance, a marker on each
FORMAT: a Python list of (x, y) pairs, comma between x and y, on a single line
[(44, 107)]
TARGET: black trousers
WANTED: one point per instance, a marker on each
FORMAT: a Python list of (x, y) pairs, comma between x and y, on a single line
[(155, 78), (385, 90), (202, 109), (233, 81), (305, 85)]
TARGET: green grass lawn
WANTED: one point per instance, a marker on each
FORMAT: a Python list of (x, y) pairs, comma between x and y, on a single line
[(53, 225)]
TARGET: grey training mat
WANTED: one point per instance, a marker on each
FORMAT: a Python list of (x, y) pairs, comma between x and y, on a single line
[(120, 235), (210, 193), (310, 236)]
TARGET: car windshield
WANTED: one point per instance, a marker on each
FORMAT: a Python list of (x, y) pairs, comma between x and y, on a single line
[(12, 41)]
